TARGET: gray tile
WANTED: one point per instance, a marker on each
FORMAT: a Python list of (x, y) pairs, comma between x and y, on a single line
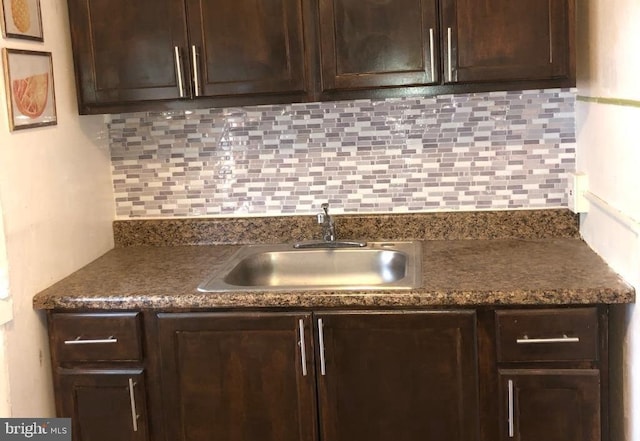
[(496, 150)]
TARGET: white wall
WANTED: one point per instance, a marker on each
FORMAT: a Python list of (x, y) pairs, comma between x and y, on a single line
[(56, 196), (608, 120), (6, 315)]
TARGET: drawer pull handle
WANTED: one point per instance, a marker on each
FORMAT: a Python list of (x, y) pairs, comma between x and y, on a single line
[(303, 349), (432, 55), (323, 369), (196, 72), (178, 59), (79, 341), (449, 55), (132, 399), (564, 339), (510, 408)]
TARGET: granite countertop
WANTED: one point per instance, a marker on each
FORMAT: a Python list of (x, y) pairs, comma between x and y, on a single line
[(548, 271)]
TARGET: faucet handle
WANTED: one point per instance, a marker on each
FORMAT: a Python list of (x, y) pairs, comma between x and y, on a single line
[(324, 214)]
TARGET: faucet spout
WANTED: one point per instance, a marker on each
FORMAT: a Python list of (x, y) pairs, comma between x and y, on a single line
[(328, 224), (329, 239)]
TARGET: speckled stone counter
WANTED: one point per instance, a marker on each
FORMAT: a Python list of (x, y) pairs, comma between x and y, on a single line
[(558, 271), (523, 224)]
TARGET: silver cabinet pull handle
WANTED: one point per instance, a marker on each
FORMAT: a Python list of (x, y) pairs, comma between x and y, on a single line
[(79, 341), (178, 59), (196, 70), (449, 55), (132, 399), (432, 55), (510, 408), (564, 339), (323, 369), (550, 41), (303, 349)]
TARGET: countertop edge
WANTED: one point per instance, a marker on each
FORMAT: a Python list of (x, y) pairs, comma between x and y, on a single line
[(305, 300)]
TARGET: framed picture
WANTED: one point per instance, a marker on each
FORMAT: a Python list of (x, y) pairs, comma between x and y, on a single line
[(22, 19), (31, 98)]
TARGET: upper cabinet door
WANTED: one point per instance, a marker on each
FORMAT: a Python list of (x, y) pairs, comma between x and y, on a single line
[(125, 51), (246, 47), (503, 40), (378, 43)]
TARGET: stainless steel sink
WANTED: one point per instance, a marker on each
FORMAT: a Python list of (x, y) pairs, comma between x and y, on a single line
[(377, 265)]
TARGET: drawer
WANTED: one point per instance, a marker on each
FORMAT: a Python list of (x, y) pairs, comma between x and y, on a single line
[(95, 337), (547, 335)]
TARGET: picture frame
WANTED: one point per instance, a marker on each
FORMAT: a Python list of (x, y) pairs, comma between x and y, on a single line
[(31, 100), (21, 19)]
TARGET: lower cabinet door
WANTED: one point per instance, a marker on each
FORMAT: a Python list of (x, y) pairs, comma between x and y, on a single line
[(397, 376), (237, 376), (104, 405), (550, 405)]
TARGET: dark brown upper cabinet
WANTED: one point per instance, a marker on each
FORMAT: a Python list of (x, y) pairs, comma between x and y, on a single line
[(161, 54), (181, 54), (124, 51), (246, 47), (502, 40), (378, 43)]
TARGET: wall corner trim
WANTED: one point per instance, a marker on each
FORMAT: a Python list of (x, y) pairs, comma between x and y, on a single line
[(610, 101)]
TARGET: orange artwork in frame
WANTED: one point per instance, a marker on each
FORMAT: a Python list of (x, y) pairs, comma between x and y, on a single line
[(22, 19), (30, 88)]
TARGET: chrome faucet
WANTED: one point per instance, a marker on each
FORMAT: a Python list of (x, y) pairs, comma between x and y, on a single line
[(328, 224), (328, 234)]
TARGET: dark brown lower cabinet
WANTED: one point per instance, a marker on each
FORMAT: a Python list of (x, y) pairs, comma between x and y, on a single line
[(237, 377), (483, 374), (550, 404), (379, 376), (104, 405), (398, 376)]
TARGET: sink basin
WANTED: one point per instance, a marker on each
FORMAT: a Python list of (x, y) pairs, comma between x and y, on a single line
[(377, 265)]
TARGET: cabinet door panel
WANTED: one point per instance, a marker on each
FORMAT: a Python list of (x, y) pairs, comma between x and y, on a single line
[(100, 406), (398, 376), (553, 404), (236, 377), (375, 43), (494, 40), (124, 51), (248, 46)]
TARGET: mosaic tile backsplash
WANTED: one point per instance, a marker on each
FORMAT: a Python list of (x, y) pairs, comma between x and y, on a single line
[(484, 151)]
